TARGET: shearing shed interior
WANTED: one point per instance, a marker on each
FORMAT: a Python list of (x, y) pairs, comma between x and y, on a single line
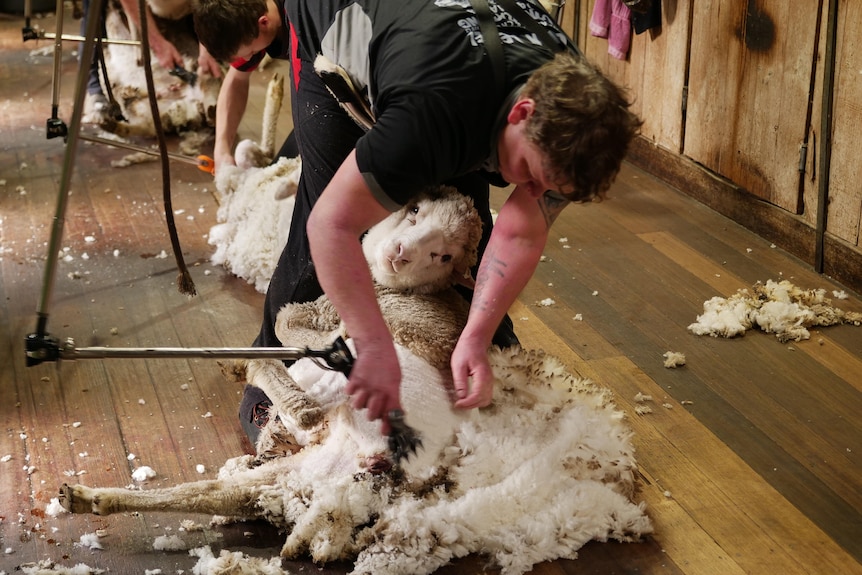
[(707, 314)]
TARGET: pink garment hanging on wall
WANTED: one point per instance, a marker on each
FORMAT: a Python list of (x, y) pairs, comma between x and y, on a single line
[(611, 19)]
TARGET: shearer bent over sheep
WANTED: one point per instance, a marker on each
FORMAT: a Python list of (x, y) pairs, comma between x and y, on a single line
[(166, 53), (337, 490), (441, 93)]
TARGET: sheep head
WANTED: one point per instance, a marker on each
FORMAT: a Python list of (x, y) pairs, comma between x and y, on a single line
[(426, 246)]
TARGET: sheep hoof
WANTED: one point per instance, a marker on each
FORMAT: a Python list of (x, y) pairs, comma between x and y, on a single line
[(233, 371), (78, 499)]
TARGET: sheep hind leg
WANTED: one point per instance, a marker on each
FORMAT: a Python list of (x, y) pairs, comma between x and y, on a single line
[(211, 497), (287, 397)]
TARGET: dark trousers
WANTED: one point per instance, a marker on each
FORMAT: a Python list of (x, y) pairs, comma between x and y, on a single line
[(94, 86)]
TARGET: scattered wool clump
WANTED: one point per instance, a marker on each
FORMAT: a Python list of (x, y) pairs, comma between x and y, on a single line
[(143, 473), (775, 307), (190, 525), (673, 359), (54, 508), (90, 540), (48, 567), (169, 543), (234, 563)]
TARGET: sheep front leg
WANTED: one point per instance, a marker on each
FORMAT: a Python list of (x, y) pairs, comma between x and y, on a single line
[(214, 497), (287, 397)]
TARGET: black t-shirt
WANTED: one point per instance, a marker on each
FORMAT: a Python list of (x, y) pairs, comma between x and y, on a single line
[(428, 78)]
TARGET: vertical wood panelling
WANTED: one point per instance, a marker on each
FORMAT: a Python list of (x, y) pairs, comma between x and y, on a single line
[(844, 212), (654, 74), (748, 92)]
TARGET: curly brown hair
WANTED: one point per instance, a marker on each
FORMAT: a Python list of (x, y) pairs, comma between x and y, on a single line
[(582, 125), (223, 26)]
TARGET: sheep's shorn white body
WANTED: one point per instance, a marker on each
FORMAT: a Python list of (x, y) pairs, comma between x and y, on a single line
[(781, 308), (545, 469)]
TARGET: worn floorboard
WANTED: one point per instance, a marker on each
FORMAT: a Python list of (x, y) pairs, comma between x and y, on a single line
[(750, 456)]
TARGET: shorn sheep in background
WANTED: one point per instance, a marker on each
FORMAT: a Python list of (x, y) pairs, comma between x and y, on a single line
[(533, 477), (183, 107), (781, 308)]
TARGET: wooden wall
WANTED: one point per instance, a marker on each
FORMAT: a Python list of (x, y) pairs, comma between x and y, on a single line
[(731, 93)]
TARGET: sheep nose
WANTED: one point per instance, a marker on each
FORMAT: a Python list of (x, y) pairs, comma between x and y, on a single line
[(401, 254)]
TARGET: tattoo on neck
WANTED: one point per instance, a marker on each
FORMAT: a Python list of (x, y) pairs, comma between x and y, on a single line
[(551, 206)]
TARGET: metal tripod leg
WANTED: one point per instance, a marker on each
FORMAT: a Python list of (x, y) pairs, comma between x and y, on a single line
[(55, 126), (41, 337)]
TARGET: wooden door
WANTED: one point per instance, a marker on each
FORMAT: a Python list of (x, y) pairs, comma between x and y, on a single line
[(844, 210), (750, 80)]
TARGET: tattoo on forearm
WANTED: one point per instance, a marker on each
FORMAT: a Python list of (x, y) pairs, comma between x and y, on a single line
[(551, 206), (490, 265)]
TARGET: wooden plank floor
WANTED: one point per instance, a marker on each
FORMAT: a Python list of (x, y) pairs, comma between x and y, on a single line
[(754, 467)]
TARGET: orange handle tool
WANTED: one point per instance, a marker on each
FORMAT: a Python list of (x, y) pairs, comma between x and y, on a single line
[(206, 164)]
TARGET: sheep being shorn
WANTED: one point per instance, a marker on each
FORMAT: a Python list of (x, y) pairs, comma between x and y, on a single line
[(545, 469), (415, 256), (781, 308)]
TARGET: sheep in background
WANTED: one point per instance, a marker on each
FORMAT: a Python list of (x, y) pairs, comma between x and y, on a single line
[(781, 308), (256, 201), (545, 469), (253, 223), (182, 106)]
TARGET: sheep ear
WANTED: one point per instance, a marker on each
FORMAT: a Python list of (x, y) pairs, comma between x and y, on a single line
[(463, 277)]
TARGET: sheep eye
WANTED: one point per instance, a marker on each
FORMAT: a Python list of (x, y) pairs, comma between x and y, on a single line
[(446, 258), (412, 211)]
